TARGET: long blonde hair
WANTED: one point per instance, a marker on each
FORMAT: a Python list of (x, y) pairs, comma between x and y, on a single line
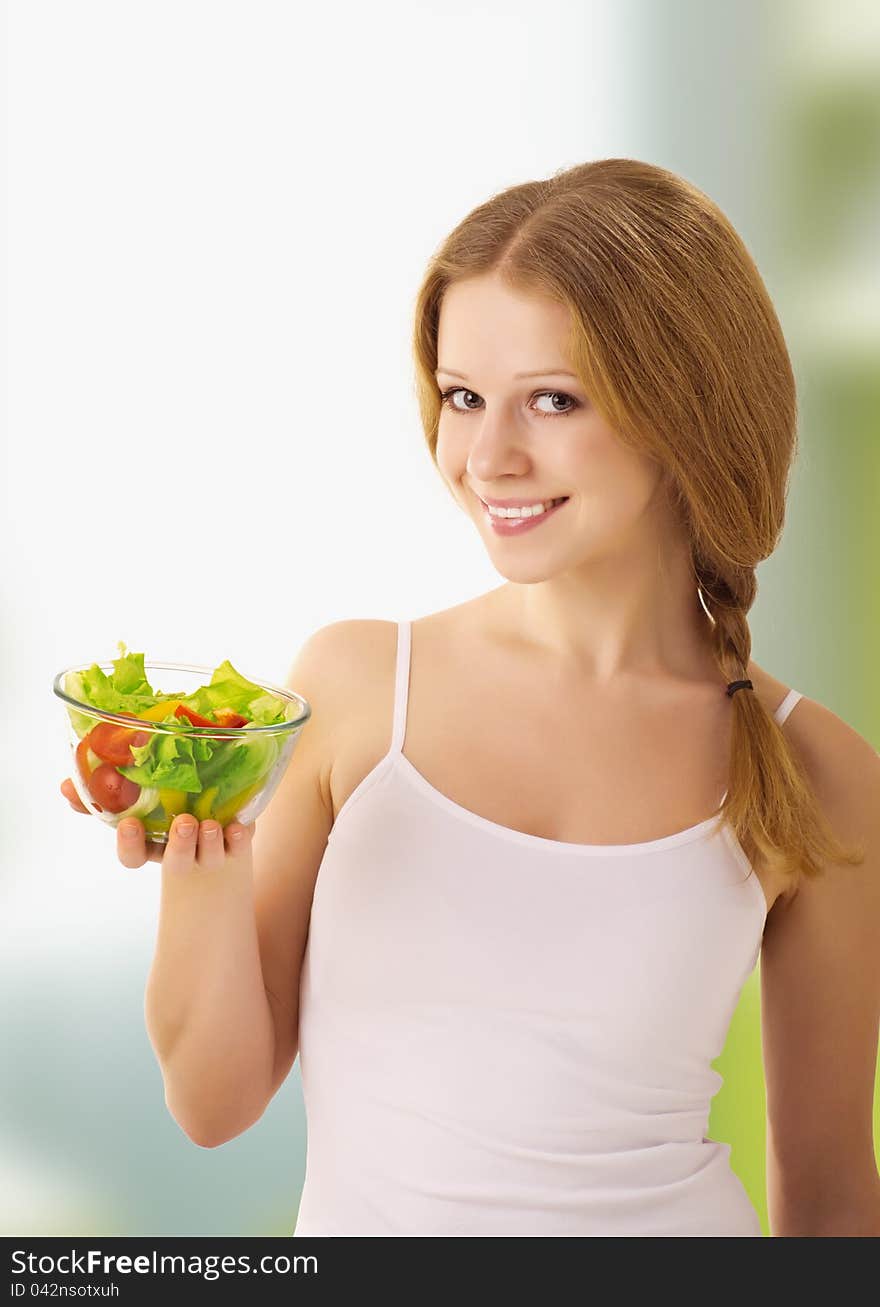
[(675, 340)]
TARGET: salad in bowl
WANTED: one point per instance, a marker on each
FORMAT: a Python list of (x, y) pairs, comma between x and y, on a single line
[(154, 740)]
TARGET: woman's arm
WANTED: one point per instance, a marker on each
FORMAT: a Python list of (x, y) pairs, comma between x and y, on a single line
[(820, 1009)]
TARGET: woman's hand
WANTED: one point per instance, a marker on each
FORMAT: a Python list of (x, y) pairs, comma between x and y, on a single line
[(208, 840)]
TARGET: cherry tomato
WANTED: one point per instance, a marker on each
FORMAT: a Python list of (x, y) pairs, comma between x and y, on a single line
[(113, 743), (109, 787)]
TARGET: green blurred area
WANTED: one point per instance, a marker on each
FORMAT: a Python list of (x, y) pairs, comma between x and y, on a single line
[(737, 1116)]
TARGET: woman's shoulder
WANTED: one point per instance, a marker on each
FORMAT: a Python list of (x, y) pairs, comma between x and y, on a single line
[(827, 744), (363, 650), (773, 692), (823, 738), (359, 649)]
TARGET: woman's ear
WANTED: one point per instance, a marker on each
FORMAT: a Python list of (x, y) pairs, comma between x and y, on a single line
[(667, 482), (670, 489)]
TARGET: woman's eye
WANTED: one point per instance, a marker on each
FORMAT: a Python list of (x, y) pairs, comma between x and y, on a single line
[(446, 397), (554, 395)]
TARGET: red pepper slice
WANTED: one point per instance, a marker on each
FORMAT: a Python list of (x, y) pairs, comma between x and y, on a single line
[(226, 717), (191, 715)]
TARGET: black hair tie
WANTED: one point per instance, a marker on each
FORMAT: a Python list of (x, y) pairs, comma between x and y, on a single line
[(738, 685)]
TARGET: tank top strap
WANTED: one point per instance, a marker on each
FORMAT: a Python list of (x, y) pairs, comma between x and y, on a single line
[(401, 685), (786, 706)]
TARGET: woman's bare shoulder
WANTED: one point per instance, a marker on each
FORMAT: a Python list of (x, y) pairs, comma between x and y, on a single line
[(367, 645), (825, 741), (769, 689)]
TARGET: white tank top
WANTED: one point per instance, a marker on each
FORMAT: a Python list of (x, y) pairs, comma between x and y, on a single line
[(502, 1034)]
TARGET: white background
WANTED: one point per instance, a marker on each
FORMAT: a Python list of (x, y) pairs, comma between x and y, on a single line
[(219, 215)]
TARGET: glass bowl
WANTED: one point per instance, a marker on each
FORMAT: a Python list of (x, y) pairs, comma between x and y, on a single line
[(226, 773)]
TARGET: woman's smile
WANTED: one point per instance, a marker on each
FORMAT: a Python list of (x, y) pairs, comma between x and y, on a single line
[(518, 522)]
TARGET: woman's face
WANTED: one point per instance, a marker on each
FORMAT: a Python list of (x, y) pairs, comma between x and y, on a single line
[(508, 437)]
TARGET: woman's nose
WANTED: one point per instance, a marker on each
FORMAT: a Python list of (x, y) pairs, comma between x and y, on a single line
[(495, 449)]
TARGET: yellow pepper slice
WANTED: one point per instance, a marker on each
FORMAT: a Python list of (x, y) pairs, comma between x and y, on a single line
[(227, 810), (159, 711), (202, 804), (173, 801)]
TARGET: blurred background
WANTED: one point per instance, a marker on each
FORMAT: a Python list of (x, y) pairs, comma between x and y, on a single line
[(218, 215)]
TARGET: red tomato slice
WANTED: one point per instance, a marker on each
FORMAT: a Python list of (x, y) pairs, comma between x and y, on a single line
[(113, 743), (109, 787), (82, 766), (82, 759)]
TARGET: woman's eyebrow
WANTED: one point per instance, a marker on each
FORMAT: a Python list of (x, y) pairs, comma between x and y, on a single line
[(517, 376)]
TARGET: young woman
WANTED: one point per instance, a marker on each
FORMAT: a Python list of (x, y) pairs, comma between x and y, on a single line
[(531, 847)]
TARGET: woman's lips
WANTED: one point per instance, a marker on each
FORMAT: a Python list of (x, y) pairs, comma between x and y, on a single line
[(513, 526)]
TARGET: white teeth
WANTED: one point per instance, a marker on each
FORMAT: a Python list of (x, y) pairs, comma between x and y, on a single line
[(534, 511)]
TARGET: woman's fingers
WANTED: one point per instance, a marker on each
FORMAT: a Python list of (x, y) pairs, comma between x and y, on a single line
[(68, 789), (206, 845), (132, 848), (190, 843)]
